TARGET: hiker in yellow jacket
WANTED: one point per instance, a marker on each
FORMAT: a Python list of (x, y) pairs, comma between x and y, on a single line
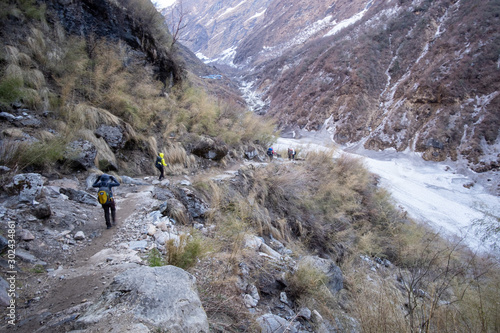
[(160, 164)]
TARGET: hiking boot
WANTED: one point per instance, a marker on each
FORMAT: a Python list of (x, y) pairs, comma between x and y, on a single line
[(108, 227)]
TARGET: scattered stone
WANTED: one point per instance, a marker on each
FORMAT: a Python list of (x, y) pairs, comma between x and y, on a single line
[(304, 313), (4, 295), (270, 323), (4, 243), (132, 181), (79, 235), (151, 230), (26, 235), (283, 297), (26, 256), (138, 245), (79, 196), (41, 211)]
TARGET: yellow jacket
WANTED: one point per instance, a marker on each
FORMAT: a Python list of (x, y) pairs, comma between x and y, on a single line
[(162, 159)]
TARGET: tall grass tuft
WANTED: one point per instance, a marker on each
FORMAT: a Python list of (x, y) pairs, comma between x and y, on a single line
[(185, 251)]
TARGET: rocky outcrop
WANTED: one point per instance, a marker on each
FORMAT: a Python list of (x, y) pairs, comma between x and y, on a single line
[(159, 297), (113, 20), (209, 149)]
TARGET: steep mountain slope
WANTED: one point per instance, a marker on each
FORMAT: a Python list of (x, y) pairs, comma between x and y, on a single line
[(419, 75)]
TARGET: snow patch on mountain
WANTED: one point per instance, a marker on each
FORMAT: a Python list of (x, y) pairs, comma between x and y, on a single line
[(347, 22), (257, 15), (229, 10), (226, 57)]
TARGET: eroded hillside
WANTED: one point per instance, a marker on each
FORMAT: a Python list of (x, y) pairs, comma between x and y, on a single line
[(418, 75)]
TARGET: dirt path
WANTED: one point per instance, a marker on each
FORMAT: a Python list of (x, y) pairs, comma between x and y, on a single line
[(82, 278)]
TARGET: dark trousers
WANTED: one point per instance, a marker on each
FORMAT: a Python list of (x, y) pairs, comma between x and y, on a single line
[(107, 207), (160, 168)]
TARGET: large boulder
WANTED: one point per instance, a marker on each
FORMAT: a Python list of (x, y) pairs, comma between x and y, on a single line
[(113, 135), (210, 149), (196, 207), (162, 298), (27, 185), (81, 154)]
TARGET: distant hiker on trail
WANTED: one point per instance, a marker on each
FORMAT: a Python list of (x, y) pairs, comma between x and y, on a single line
[(160, 164), (105, 196), (291, 154), (270, 153)]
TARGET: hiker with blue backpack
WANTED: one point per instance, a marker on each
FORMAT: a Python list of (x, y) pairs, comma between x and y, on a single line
[(270, 153), (105, 197)]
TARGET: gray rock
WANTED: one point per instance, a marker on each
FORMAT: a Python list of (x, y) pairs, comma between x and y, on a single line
[(138, 245), (30, 121), (79, 196), (132, 181), (4, 295), (4, 243), (28, 185), (41, 211), (327, 266), (7, 116), (195, 205), (81, 154), (113, 136), (250, 153), (163, 297), (79, 235), (305, 313), (26, 235), (26, 256), (270, 323), (210, 149)]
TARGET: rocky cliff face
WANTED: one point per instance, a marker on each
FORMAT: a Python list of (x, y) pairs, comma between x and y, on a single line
[(410, 75)]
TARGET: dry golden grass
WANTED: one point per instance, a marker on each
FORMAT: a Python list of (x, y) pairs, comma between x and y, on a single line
[(14, 71), (89, 117), (177, 158), (375, 300)]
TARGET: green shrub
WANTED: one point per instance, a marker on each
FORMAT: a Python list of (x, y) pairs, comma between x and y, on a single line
[(10, 90), (155, 258)]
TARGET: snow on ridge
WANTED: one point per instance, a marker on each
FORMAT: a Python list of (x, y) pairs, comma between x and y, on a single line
[(231, 9), (256, 15), (345, 23), (226, 57)]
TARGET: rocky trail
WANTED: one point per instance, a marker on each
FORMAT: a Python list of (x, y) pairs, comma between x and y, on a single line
[(75, 275), (78, 277), (65, 261)]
